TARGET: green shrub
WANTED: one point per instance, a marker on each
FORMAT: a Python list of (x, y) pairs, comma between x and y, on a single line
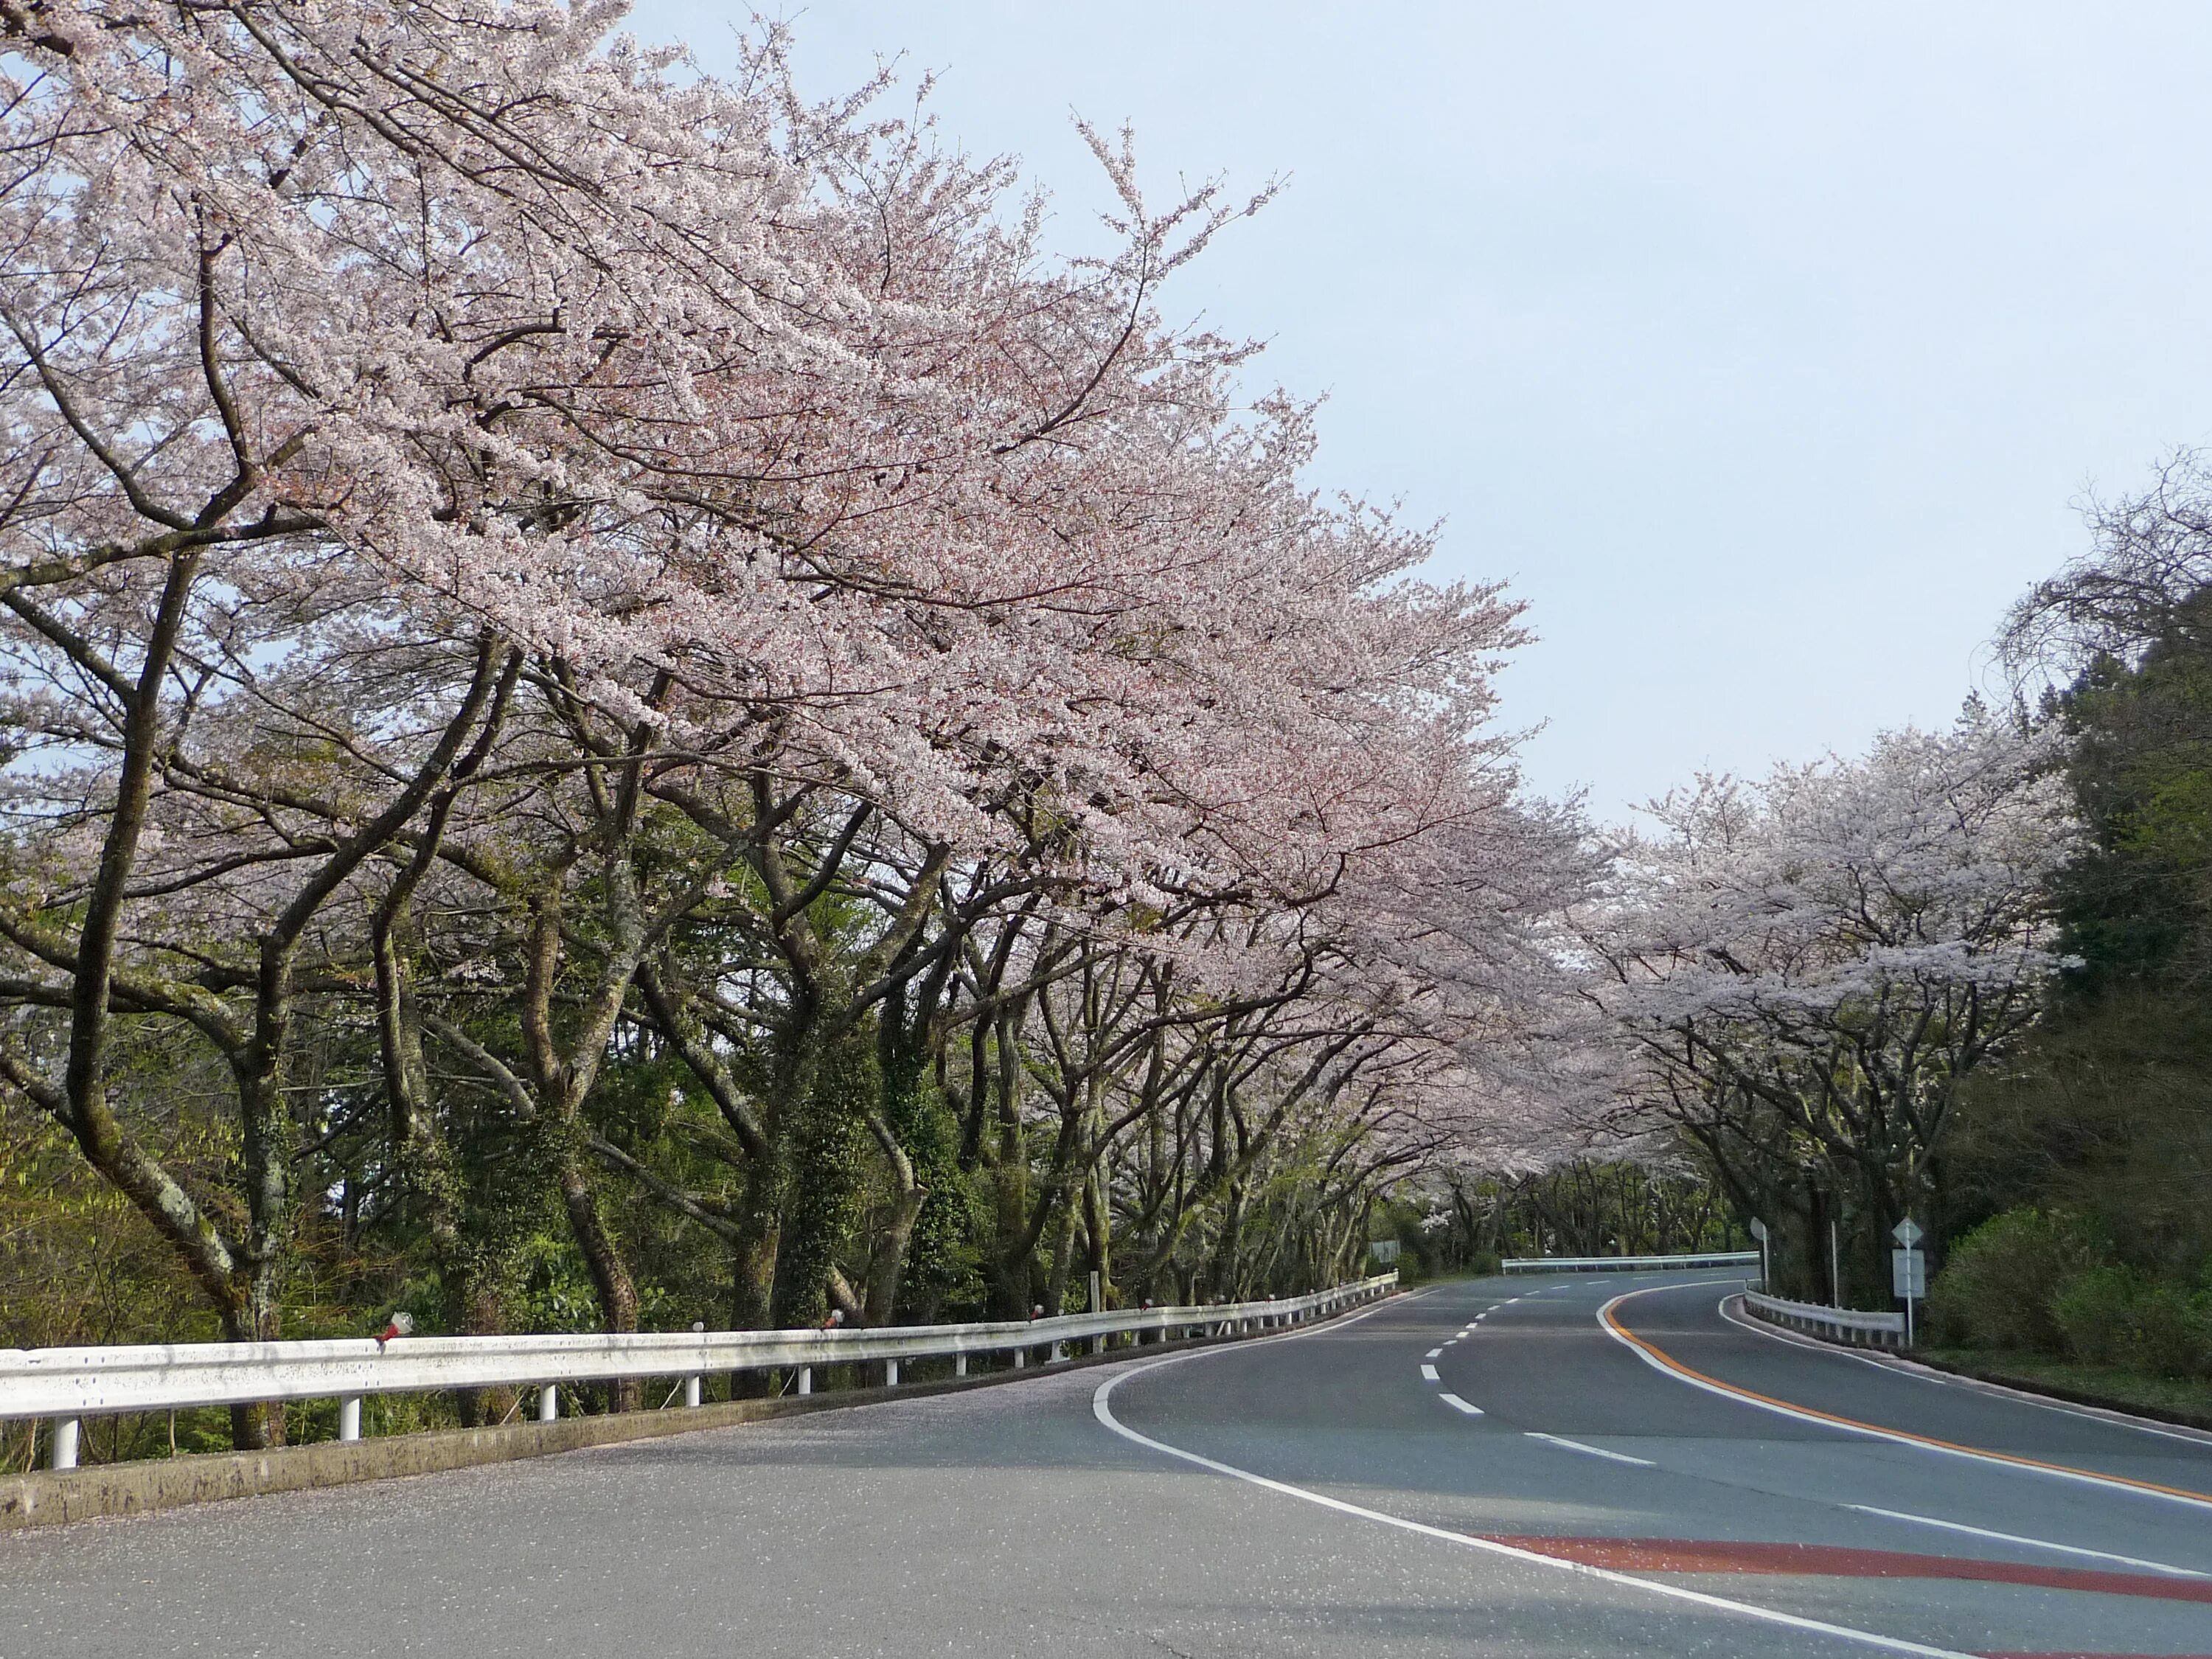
[(2112, 1316), (1997, 1290), (2094, 1309), (2167, 1333)]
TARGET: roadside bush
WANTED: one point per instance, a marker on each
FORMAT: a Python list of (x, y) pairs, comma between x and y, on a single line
[(2113, 1317), (1999, 1287), (2168, 1333), (2093, 1309)]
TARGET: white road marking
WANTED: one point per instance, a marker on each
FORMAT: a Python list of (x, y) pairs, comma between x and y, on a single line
[(1433, 1353), (2032, 1543), (1895, 1438), (1454, 1402), (1429, 1374), (1594, 1451), (1901, 1367), (1101, 1408)]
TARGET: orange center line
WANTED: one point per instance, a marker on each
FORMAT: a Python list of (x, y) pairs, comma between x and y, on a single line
[(1836, 1561), (1661, 1358)]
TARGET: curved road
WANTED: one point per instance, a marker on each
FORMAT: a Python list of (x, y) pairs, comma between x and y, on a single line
[(1585, 1466)]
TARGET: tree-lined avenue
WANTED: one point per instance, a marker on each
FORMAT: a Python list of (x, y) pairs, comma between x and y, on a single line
[(1587, 1503)]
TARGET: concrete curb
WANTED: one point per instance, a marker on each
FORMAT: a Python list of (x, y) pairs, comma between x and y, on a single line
[(53, 1498)]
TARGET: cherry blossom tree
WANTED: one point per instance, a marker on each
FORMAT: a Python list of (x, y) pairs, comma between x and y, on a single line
[(1807, 968), (529, 567)]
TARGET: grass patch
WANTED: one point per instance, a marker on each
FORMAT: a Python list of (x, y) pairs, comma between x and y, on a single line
[(2185, 1399)]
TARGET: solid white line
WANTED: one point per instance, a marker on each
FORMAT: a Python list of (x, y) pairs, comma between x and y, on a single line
[(1429, 1374), (1594, 1451), (2032, 1543), (1901, 1367), (1454, 1402), (1434, 1353), (1102, 1410), (2082, 1477)]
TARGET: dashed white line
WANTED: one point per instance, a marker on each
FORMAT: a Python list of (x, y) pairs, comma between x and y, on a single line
[(2032, 1543), (1458, 1404), (1429, 1374), (1594, 1451), (1434, 1353)]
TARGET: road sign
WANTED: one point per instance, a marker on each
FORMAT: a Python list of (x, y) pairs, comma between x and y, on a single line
[(1908, 1274), (1907, 1232), (1759, 1230)]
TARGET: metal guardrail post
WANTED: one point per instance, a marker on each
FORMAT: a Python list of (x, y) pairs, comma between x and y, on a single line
[(891, 1373), (549, 1401), (349, 1417), (805, 1380), (63, 1452)]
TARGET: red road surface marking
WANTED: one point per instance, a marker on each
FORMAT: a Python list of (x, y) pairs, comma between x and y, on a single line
[(1833, 1561)]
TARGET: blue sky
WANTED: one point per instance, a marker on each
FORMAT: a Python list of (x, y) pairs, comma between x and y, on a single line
[(1767, 350)]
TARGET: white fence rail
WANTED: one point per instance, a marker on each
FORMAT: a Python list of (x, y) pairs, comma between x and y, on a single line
[(67, 1384), (1626, 1264), (1852, 1325)]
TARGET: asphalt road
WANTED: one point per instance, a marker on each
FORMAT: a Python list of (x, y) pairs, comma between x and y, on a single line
[(1483, 1468)]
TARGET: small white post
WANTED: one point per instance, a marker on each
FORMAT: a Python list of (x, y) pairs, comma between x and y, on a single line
[(960, 1364), (549, 1401), (691, 1392), (1058, 1352), (349, 1417), (806, 1379), (1021, 1358), (891, 1373), (64, 1450)]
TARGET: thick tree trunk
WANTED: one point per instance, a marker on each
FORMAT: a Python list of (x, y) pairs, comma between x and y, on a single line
[(610, 1274)]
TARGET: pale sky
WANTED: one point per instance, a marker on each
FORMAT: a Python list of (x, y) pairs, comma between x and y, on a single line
[(1765, 350)]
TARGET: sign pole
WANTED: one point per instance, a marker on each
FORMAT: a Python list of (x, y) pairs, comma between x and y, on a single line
[(1908, 1270)]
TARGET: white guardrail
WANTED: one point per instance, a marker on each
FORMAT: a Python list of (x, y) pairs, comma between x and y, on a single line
[(67, 1384), (1880, 1330), (1626, 1264)]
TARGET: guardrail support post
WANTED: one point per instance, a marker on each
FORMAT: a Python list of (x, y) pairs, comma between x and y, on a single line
[(1058, 1352), (960, 1364), (64, 1455), (1020, 1355), (349, 1417), (691, 1392), (891, 1373), (549, 1401), (805, 1380)]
